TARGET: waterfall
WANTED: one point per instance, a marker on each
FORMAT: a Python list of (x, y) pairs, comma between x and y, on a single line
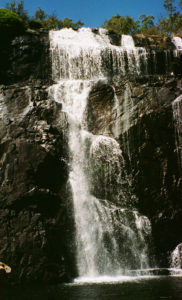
[(177, 41), (177, 115), (176, 257), (87, 55), (111, 235)]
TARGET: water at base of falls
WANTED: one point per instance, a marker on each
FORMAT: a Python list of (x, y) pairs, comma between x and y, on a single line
[(110, 237)]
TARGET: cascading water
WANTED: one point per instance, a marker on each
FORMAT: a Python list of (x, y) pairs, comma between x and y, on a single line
[(177, 115), (111, 236), (177, 41)]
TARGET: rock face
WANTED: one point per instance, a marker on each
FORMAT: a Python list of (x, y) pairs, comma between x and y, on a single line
[(24, 58), (36, 217), (35, 213), (148, 143), (144, 126)]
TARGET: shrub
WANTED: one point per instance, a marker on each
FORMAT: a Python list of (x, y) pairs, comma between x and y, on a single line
[(34, 24), (11, 24), (121, 25)]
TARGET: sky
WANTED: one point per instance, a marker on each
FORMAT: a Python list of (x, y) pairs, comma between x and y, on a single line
[(94, 12)]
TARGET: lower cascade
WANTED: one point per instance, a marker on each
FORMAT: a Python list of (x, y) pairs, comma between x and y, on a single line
[(112, 237)]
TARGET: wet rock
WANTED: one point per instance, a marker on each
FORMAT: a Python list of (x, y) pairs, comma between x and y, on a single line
[(95, 30), (144, 126), (153, 42), (26, 58), (36, 219), (115, 39), (99, 108), (4, 269)]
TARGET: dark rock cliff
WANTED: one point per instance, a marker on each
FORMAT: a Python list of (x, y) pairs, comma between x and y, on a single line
[(35, 213), (150, 151), (36, 218), (146, 133)]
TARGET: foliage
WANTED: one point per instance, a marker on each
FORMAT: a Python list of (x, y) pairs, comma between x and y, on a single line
[(171, 24), (10, 24), (52, 22), (147, 22), (18, 8), (34, 24), (169, 6), (40, 15), (41, 19), (67, 23), (121, 25), (173, 21)]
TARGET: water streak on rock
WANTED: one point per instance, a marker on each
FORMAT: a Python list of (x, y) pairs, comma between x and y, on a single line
[(177, 115)]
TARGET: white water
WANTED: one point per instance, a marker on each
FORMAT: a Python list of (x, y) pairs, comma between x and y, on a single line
[(86, 55), (176, 258), (111, 238), (177, 116), (177, 41)]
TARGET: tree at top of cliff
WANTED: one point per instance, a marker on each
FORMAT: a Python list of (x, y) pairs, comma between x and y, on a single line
[(171, 10), (52, 22), (121, 25), (147, 23), (18, 8), (10, 24), (40, 14), (173, 22)]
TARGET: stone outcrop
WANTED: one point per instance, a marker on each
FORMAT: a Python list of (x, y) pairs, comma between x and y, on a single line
[(154, 42), (25, 58)]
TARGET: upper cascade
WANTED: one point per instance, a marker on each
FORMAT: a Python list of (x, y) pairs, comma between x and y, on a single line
[(177, 41), (127, 41), (89, 55)]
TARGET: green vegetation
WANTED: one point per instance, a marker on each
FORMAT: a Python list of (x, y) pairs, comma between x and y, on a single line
[(18, 8), (11, 24), (14, 19), (52, 22), (40, 19), (171, 24), (122, 25)]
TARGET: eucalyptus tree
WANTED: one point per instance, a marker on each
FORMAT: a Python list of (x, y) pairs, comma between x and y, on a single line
[(122, 25), (18, 8)]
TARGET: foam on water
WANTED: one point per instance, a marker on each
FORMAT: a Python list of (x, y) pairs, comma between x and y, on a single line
[(105, 279), (170, 272)]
